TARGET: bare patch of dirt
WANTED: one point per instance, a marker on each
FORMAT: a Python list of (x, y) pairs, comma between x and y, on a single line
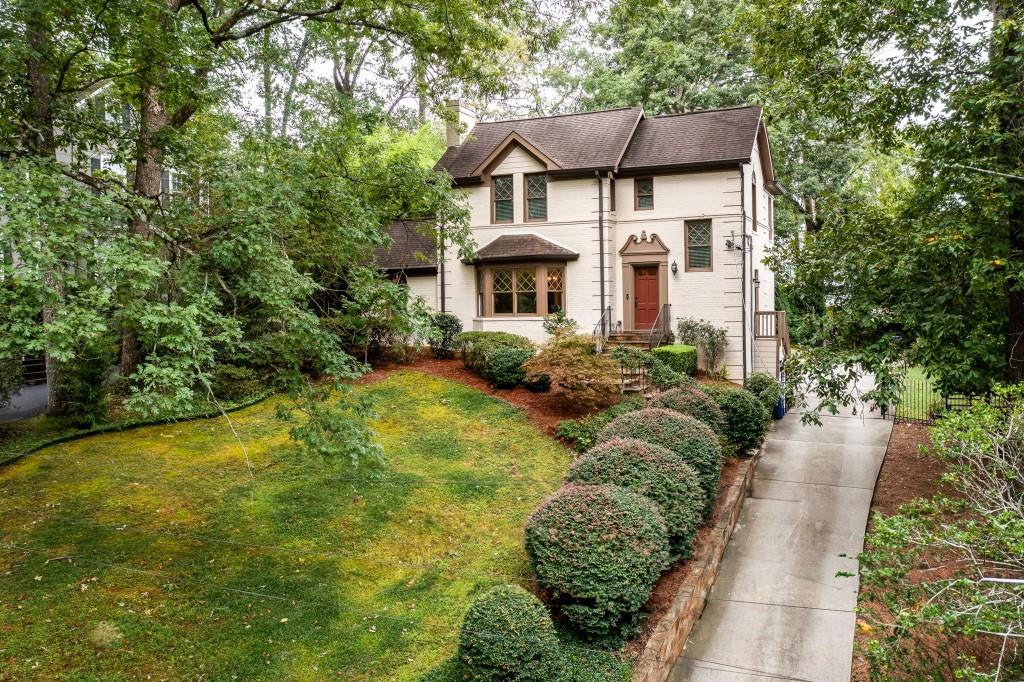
[(544, 409)]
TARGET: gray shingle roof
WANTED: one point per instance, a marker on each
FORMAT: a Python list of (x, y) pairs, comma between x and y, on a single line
[(573, 141), (522, 247), (700, 137), (412, 248), (597, 139)]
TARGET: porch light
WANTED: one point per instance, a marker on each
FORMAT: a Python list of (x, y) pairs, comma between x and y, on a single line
[(675, 268)]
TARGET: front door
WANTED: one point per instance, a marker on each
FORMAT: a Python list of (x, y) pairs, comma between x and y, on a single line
[(645, 296)]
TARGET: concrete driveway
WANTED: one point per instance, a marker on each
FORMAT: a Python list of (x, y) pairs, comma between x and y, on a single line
[(780, 608)]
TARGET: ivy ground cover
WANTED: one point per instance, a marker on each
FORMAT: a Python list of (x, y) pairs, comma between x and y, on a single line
[(155, 552)]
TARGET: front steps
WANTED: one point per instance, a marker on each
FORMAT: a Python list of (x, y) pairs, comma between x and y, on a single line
[(638, 339)]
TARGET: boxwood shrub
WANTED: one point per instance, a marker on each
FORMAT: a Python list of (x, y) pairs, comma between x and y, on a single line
[(654, 472), (598, 550), (684, 435), (695, 403), (581, 434), (503, 366), (746, 419), (507, 634), (679, 356), (766, 388), (475, 345), (444, 328)]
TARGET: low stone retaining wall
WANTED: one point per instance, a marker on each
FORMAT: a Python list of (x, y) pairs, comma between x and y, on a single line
[(668, 641)]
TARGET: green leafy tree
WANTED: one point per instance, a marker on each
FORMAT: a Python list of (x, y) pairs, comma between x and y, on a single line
[(927, 266)]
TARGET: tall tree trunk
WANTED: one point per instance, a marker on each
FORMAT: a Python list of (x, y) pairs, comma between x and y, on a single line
[(153, 120), (1008, 74), (42, 143), (268, 86)]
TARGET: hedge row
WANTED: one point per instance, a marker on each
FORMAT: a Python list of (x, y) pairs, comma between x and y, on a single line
[(496, 356)]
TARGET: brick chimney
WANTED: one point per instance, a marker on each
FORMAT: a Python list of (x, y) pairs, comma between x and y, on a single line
[(458, 129)]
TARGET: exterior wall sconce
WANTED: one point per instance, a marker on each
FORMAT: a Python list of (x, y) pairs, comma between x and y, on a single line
[(675, 267)]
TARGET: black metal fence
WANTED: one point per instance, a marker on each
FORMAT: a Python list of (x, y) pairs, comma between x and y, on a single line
[(921, 402), (33, 371)]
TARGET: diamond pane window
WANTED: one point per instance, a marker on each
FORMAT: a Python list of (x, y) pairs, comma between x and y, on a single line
[(503, 199), (698, 245), (644, 193), (526, 292), (537, 197), (556, 284), (501, 286)]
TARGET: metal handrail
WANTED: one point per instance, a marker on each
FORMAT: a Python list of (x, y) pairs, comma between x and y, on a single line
[(602, 330), (659, 330)]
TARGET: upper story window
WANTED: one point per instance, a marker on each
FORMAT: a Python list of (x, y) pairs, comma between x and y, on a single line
[(537, 196), (644, 194), (502, 199), (698, 245)]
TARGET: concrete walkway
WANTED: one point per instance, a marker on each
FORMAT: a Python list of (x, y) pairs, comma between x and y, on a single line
[(778, 609)]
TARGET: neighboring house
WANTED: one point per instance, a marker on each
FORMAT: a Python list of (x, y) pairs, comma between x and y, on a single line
[(626, 222)]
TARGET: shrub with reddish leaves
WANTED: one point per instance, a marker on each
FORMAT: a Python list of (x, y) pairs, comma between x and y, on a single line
[(695, 403), (694, 442), (654, 472), (598, 549)]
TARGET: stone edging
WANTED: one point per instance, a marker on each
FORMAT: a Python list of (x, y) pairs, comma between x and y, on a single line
[(667, 643)]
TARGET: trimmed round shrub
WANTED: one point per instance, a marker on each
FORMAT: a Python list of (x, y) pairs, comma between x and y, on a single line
[(444, 327), (694, 442), (507, 634), (695, 403), (598, 549), (503, 366), (746, 419), (765, 388), (654, 472), (475, 345)]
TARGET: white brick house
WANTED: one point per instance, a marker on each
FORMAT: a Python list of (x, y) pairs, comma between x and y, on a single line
[(620, 219)]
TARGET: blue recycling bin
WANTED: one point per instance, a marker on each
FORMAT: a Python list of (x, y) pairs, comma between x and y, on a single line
[(780, 407)]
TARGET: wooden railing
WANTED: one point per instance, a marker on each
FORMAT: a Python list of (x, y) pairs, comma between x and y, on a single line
[(771, 324)]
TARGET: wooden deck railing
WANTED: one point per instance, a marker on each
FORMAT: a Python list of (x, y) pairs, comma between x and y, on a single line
[(771, 324)]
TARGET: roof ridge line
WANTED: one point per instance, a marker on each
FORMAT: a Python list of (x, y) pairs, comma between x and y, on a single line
[(568, 113), (706, 111)]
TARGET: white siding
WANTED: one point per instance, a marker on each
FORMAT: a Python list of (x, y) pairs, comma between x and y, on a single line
[(424, 286), (573, 222)]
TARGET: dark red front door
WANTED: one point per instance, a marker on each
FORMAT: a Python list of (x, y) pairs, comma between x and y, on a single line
[(645, 297)]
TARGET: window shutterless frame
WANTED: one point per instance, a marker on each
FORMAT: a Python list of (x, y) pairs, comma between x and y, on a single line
[(522, 289), (535, 197), (643, 194), (502, 195), (698, 240)]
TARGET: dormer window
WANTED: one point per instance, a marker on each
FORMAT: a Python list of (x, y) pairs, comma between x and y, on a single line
[(537, 197), (644, 191), (502, 203)]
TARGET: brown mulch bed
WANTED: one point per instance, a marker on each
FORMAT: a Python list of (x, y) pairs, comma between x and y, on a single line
[(906, 474)]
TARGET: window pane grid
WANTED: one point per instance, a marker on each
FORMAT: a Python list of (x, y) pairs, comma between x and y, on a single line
[(515, 291), (645, 193), (503, 188), (698, 244)]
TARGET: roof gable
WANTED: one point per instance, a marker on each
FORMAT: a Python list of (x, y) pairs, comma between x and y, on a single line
[(573, 142), (513, 140)]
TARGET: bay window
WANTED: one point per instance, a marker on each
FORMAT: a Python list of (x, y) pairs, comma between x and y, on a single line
[(522, 289)]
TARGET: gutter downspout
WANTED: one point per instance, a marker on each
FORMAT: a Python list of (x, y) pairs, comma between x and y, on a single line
[(600, 238), (743, 268), (441, 263)]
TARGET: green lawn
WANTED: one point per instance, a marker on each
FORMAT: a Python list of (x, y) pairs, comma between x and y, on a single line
[(152, 552)]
